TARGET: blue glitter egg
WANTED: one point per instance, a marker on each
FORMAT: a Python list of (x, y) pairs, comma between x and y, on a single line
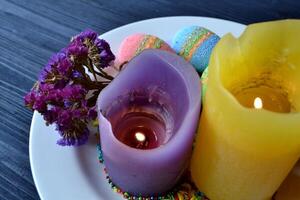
[(195, 44)]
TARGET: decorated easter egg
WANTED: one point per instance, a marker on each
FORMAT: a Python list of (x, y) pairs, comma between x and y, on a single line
[(195, 44), (204, 79), (136, 43)]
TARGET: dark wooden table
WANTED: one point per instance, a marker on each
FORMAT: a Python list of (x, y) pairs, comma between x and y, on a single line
[(31, 31)]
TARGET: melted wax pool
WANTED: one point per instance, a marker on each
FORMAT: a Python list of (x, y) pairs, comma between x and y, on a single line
[(142, 119)]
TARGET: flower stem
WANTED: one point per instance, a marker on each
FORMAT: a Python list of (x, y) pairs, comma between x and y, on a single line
[(91, 68)]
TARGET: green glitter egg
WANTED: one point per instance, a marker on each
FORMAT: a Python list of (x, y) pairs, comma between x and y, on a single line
[(204, 79)]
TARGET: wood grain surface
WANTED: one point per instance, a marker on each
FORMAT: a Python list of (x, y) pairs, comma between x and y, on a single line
[(31, 31)]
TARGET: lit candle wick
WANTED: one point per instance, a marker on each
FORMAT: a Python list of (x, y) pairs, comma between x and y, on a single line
[(140, 136), (258, 104)]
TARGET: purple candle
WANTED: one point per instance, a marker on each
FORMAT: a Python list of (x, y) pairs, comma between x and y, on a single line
[(148, 116)]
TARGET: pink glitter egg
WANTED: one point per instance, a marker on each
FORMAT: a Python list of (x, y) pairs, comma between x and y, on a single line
[(136, 43)]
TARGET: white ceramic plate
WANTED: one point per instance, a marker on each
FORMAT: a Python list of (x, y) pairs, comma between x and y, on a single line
[(63, 173)]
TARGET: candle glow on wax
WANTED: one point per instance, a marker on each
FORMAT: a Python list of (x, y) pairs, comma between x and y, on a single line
[(258, 104), (262, 93), (140, 136), (141, 123)]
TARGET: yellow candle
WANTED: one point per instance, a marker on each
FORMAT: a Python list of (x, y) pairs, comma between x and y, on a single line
[(249, 132), (290, 188)]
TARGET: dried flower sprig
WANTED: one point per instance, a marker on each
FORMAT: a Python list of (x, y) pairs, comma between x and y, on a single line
[(65, 94)]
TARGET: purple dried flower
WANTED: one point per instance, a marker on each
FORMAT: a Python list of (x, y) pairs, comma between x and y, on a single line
[(79, 113), (72, 141), (29, 99), (67, 103), (40, 104), (65, 94), (98, 50), (58, 69), (77, 51), (92, 113), (87, 34), (46, 88), (76, 74), (45, 73), (64, 118), (64, 66), (51, 115), (54, 96), (74, 92), (104, 52)]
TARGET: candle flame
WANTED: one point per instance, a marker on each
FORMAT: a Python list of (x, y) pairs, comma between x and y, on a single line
[(140, 136), (258, 104)]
